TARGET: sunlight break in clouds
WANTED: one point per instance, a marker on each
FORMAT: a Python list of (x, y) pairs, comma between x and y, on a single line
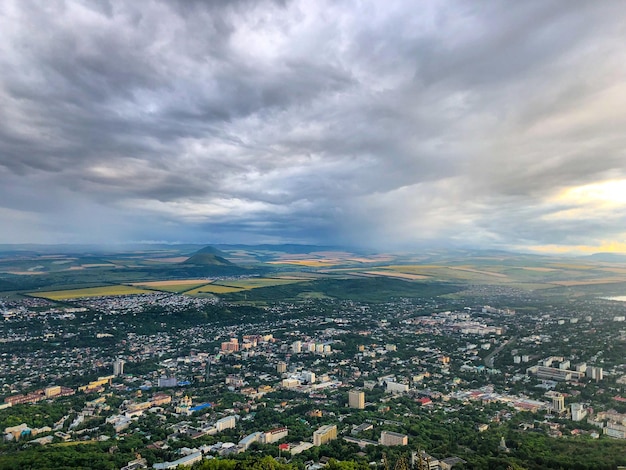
[(609, 194)]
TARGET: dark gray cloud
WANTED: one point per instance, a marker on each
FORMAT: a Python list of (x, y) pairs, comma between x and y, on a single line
[(370, 123)]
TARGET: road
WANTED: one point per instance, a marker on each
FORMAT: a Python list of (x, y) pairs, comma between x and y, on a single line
[(489, 359)]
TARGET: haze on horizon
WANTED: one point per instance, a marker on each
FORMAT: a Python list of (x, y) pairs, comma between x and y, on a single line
[(388, 124)]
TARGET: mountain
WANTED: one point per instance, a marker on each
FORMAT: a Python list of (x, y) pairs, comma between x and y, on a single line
[(208, 256), (608, 257), (289, 248)]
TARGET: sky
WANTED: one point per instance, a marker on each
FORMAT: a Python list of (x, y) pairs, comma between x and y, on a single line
[(389, 125)]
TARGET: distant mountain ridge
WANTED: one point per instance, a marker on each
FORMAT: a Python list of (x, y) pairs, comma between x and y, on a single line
[(608, 257), (289, 248)]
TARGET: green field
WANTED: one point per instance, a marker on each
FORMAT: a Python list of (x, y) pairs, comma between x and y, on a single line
[(240, 285), (90, 292), (531, 277), (366, 289), (213, 289), (256, 282), (173, 286), (451, 273)]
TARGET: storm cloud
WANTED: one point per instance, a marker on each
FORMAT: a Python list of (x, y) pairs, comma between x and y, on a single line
[(381, 124)]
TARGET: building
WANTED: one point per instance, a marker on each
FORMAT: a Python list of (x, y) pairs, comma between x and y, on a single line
[(615, 430), (299, 448), (290, 383), (118, 367), (554, 373), (250, 439), (325, 434), (296, 347), (274, 435), (423, 461), (137, 464), (362, 443), (188, 460), (139, 406), (356, 399), (235, 381), (228, 422), (558, 403), (308, 377), (161, 399), (578, 412), (52, 391), (17, 431), (389, 438), (184, 407), (361, 428), (281, 367), (164, 382), (395, 387), (119, 422), (595, 373), (230, 346)]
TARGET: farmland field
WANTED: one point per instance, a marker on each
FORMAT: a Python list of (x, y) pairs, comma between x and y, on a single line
[(310, 263), (173, 286), (581, 267), (398, 275), (584, 282), (477, 271), (413, 268), (447, 273), (90, 292), (526, 277), (257, 282), (213, 289)]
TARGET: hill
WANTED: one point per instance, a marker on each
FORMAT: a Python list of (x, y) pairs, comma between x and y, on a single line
[(208, 256)]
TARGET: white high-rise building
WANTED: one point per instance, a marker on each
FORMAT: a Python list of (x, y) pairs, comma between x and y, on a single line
[(118, 367), (308, 376), (578, 412), (595, 373), (229, 422)]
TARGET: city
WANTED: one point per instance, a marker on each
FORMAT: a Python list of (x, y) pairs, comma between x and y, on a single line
[(439, 381)]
